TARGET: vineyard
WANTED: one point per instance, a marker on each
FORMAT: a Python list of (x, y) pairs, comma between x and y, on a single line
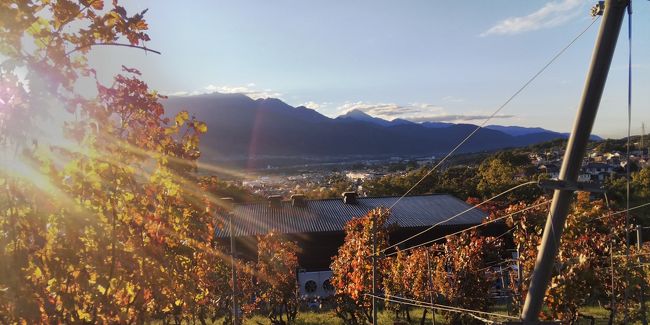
[(104, 218)]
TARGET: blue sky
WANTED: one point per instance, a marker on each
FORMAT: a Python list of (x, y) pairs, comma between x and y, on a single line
[(421, 60)]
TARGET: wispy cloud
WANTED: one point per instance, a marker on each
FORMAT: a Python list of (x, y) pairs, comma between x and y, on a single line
[(550, 15), (459, 118), (382, 110), (249, 90), (415, 112)]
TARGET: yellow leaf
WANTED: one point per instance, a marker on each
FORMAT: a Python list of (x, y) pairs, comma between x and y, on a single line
[(103, 166), (181, 117), (201, 127), (130, 289), (83, 315), (37, 272)]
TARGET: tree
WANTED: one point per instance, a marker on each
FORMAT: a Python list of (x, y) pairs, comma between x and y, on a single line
[(641, 183), (277, 285), (495, 176), (352, 266), (102, 218)]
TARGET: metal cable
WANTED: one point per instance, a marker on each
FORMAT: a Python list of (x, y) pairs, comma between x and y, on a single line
[(480, 126), (622, 211), (456, 215), (425, 304), (473, 227)]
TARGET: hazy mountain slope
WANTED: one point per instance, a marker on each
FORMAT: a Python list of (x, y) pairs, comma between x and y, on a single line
[(240, 127)]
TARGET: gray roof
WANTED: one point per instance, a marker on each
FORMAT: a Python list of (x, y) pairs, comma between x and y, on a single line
[(332, 214)]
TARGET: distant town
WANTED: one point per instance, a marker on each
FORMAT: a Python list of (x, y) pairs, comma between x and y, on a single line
[(602, 161)]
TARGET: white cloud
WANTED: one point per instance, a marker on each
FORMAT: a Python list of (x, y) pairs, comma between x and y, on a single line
[(382, 110), (312, 105), (550, 15), (415, 112), (248, 90)]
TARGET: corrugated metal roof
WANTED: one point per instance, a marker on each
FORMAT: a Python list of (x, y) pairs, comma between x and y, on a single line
[(331, 214)]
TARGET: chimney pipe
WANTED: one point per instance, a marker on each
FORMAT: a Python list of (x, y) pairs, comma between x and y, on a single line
[(227, 203), (350, 197), (298, 200), (275, 201)]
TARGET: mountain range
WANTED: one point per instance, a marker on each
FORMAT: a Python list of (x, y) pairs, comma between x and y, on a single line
[(244, 129)]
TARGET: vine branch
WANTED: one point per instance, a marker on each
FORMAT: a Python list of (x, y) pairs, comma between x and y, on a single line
[(111, 44)]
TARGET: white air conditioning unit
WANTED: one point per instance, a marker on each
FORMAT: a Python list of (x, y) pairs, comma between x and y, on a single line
[(315, 284)]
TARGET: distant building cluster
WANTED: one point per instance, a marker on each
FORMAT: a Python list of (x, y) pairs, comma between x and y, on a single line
[(324, 179), (597, 166)]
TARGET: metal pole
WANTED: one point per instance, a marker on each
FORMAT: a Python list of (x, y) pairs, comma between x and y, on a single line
[(433, 310), (612, 315), (235, 313), (374, 271), (639, 244), (520, 276), (592, 93), (504, 289)]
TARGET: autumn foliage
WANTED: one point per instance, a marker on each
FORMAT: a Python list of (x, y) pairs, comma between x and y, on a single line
[(410, 275), (103, 219), (276, 291), (462, 276), (594, 237), (352, 267)]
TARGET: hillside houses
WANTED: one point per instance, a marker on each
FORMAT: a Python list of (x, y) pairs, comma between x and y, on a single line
[(597, 166)]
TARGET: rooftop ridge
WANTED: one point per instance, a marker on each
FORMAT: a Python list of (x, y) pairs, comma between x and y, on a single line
[(358, 198)]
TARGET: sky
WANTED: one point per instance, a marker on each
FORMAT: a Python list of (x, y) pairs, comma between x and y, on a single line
[(422, 60)]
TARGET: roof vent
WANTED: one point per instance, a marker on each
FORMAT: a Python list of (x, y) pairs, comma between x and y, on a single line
[(349, 197), (274, 201), (298, 200)]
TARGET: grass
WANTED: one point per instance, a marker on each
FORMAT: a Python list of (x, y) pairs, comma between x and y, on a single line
[(329, 317), (388, 318)]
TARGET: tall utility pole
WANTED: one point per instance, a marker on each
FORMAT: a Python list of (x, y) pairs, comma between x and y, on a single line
[(374, 271), (600, 62)]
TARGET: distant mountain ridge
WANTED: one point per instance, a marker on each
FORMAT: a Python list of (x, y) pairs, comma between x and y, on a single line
[(246, 129), (360, 116), (520, 130)]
